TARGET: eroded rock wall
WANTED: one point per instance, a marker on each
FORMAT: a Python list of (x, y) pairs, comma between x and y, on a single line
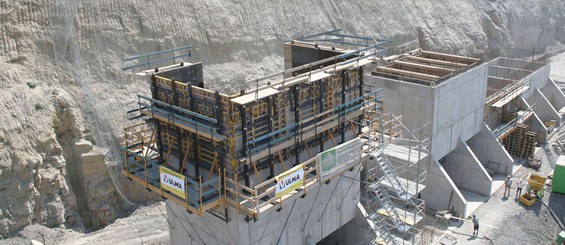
[(63, 94)]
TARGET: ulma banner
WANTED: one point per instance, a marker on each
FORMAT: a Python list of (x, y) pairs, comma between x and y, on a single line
[(173, 182), (289, 180)]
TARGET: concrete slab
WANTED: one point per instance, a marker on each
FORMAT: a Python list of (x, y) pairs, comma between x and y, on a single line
[(410, 186), (474, 201), (404, 153)]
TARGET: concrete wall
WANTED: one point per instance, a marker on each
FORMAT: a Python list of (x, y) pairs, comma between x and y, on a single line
[(441, 193), (357, 231), (542, 107), (307, 217), (535, 124), (455, 106), (538, 79), (458, 110), (414, 102), (466, 171), (554, 95), (490, 152)]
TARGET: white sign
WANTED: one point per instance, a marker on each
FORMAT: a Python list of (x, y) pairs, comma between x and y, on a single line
[(289, 180), (339, 158), (173, 182)]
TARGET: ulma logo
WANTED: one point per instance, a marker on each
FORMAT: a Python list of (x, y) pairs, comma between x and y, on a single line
[(289, 181), (172, 182)]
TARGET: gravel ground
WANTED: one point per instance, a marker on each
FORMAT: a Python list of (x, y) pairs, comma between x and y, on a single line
[(146, 225), (504, 220)]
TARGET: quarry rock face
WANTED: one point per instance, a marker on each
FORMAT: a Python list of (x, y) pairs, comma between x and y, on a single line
[(63, 95)]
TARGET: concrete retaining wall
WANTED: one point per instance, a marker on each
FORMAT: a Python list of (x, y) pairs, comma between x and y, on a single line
[(542, 107), (490, 152), (441, 193), (554, 95), (466, 171), (458, 110)]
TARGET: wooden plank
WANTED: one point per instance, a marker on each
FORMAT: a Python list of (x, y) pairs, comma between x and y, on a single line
[(510, 96), (435, 62), (253, 96), (432, 70), (450, 57), (409, 74)]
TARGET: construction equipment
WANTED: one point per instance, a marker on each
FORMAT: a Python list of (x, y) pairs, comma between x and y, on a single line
[(558, 184), (534, 163), (560, 238), (536, 187)]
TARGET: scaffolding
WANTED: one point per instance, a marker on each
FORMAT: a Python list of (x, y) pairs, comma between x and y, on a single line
[(392, 190), (207, 151)]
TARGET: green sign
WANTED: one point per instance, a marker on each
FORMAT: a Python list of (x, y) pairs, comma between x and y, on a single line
[(328, 160)]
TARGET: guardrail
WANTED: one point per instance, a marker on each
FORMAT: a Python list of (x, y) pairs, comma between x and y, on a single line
[(260, 198), (142, 165)]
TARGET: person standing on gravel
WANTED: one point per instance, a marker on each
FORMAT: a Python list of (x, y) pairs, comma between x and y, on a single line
[(507, 185), (519, 187), (475, 225)]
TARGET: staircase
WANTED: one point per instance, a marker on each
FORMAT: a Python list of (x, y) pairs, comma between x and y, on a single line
[(380, 195), (389, 172), (394, 219), (379, 227)]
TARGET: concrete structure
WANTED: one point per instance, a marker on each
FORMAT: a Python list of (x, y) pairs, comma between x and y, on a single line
[(307, 151), (469, 158), (447, 92), (279, 163)]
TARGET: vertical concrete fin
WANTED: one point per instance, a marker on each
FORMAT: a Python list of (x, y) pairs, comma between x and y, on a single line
[(543, 108), (441, 193), (466, 171), (554, 95), (536, 125), (465, 148), (490, 152)]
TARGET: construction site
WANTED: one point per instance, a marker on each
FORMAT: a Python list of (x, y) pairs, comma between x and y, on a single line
[(354, 130), (282, 122)]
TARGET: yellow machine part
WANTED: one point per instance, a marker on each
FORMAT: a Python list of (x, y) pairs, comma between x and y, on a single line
[(536, 182)]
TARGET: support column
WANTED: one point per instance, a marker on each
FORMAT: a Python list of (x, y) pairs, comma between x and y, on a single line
[(543, 108), (322, 109), (195, 143), (361, 84), (491, 152), (270, 118), (154, 93), (344, 76), (466, 170), (245, 148), (298, 129), (554, 95)]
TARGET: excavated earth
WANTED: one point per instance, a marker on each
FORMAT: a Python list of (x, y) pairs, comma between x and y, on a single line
[(63, 95)]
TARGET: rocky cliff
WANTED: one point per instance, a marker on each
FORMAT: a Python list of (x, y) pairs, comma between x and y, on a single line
[(63, 94)]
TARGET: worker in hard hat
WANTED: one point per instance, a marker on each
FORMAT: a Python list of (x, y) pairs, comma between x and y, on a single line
[(507, 185)]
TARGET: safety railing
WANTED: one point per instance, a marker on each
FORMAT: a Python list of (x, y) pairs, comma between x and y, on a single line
[(143, 164), (203, 195), (186, 119), (262, 197)]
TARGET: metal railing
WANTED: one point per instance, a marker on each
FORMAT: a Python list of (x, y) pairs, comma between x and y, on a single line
[(142, 163)]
